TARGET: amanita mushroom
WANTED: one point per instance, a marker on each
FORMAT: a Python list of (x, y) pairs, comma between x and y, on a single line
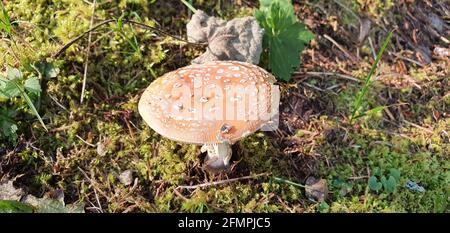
[(212, 104)]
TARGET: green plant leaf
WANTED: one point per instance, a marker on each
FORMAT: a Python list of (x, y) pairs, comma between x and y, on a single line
[(8, 127), (46, 205), (10, 90), (13, 74), (32, 84), (48, 69), (374, 184), (3, 82), (323, 207), (7, 206), (119, 22), (284, 37), (383, 180), (31, 105), (368, 81), (390, 184), (5, 21), (14, 88), (395, 173)]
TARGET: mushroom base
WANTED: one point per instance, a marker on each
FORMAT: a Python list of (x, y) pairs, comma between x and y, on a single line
[(218, 156)]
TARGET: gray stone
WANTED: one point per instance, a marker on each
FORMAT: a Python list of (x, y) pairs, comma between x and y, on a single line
[(8, 192)]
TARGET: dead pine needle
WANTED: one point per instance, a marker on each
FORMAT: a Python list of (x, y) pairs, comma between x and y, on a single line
[(138, 24)]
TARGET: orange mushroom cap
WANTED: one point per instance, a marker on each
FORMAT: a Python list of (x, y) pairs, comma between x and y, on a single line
[(210, 103)]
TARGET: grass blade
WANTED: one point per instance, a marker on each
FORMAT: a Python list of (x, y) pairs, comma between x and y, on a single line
[(5, 22), (278, 179), (30, 104), (358, 102), (189, 6)]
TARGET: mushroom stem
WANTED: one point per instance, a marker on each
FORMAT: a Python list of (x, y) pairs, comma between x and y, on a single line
[(218, 156)]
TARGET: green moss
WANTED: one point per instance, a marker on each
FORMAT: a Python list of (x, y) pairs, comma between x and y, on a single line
[(373, 8)]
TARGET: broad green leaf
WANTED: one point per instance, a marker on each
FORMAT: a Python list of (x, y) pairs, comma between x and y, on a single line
[(395, 173), (48, 69), (8, 127), (374, 184), (284, 55), (13, 88), (3, 82), (284, 37), (7, 206), (383, 180), (390, 184), (46, 205), (13, 74), (10, 89), (32, 84)]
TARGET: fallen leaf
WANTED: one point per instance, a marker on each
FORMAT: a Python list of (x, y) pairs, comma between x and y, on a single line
[(316, 189)]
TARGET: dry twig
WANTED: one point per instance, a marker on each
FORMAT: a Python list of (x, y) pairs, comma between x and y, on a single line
[(83, 88), (221, 181)]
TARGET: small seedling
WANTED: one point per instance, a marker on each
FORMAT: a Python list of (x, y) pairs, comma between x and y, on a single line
[(388, 183)]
